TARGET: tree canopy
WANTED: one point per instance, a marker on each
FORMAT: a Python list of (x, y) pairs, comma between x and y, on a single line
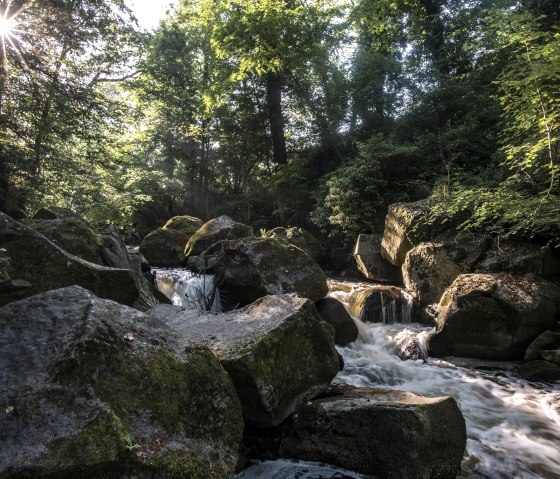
[(284, 112)]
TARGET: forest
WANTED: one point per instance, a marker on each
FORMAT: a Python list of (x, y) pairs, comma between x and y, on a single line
[(284, 113)]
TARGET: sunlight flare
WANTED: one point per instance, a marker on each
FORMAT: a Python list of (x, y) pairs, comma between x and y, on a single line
[(6, 27)]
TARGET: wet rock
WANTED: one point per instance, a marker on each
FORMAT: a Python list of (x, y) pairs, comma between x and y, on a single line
[(188, 225), (96, 389), (250, 268), (300, 238), (72, 234), (113, 251), (540, 371), (371, 264), (493, 316), (34, 260), (333, 312), (381, 304), (411, 349), (218, 229), (551, 355), (164, 247), (278, 351), (546, 340), (383, 433)]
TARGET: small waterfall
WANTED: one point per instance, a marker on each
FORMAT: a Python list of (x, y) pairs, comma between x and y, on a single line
[(188, 289)]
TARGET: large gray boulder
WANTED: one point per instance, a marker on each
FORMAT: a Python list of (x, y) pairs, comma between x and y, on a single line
[(91, 388), (431, 267), (404, 229), (493, 316), (300, 238), (188, 225), (72, 234), (278, 351), (333, 312), (113, 252), (164, 247), (250, 268), (218, 229), (382, 433), (371, 264), (34, 264)]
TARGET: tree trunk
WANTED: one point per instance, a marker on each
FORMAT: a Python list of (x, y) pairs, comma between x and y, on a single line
[(276, 118)]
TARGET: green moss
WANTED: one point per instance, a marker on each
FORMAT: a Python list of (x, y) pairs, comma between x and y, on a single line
[(101, 441)]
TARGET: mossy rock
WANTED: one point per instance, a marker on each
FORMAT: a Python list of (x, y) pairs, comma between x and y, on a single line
[(378, 432), (164, 247), (187, 225), (97, 389), (299, 238), (367, 254), (36, 264), (278, 351), (214, 231), (250, 268), (493, 316), (72, 235)]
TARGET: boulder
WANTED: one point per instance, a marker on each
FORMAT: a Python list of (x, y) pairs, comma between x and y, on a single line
[(218, 229), (164, 247), (35, 264), (278, 351), (404, 229), (431, 267), (113, 252), (250, 268), (55, 213), (371, 264), (551, 355), (333, 312), (540, 371), (492, 316), (520, 259), (545, 341), (378, 432), (72, 234), (300, 238), (381, 304), (187, 225), (96, 389)]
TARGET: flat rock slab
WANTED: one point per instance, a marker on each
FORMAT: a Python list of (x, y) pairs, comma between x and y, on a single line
[(371, 264), (384, 433), (92, 388), (278, 351)]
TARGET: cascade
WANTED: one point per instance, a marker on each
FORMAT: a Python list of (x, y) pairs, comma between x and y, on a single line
[(513, 426), (188, 289)]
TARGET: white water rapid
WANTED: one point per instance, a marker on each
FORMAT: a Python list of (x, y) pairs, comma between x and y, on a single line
[(188, 289), (513, 426)]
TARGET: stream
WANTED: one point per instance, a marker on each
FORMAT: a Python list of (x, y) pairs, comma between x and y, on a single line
[(513, 426)]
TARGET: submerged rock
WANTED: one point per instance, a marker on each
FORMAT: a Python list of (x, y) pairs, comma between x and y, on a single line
[(278, 351), (384, 433), (164, 247), (300, 238), (371, 263), (493, 316), (35, 264), (218, 229), (250, 268), (333, 312), (96, 389)]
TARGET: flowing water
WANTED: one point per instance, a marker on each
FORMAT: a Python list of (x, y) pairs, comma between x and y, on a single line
[(513, 426), (188, 289)]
